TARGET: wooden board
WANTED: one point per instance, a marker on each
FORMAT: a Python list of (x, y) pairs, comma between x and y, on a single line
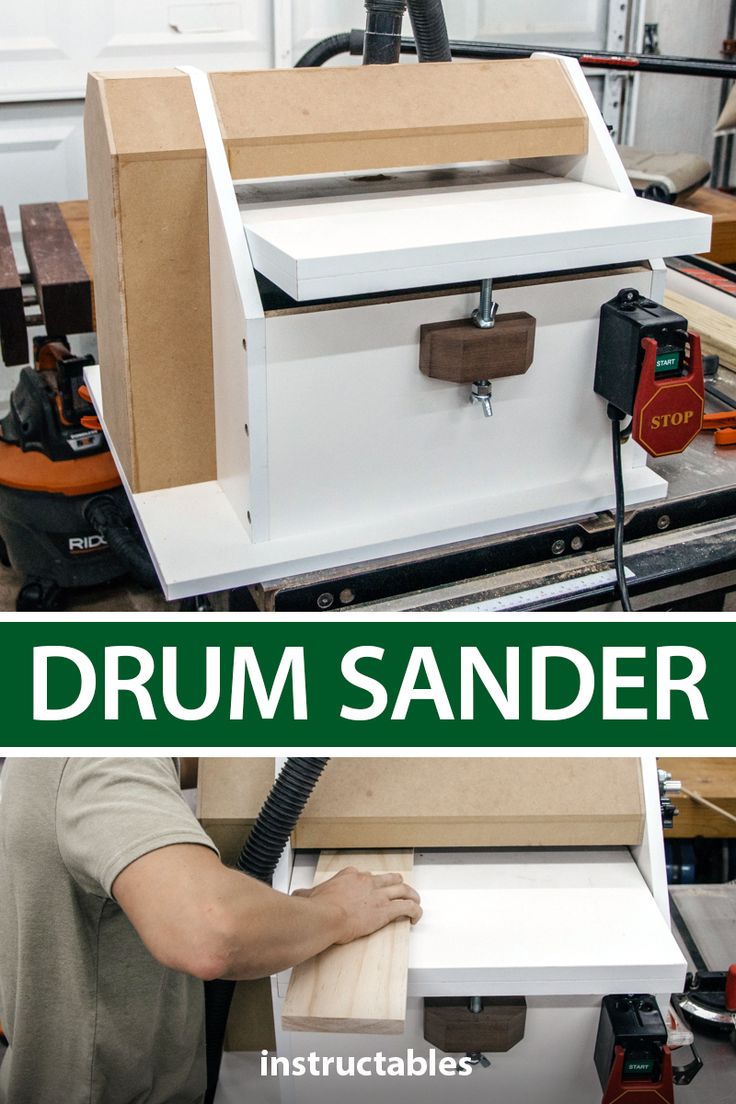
[(75, 213), (461, 352), (441, 802), (13, 331), (713, 778), (230, 792), (722, 208), (58, 272), (497, 802), (717, 331), (288, 122), (361, 986)]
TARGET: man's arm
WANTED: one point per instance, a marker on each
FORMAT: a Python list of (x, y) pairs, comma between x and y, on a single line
[(196, 915)]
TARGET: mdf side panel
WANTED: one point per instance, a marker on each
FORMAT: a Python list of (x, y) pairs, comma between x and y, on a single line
[(150, 244), (359, 437), (166, 273), (105, 243)]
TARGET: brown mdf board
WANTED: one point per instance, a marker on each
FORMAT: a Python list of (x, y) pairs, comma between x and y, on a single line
[(473, 802), (250, 1023), (13, 332), (149, 235), (58, 272), (714, 778), (287, 122), (357, 987), (230, 792), (722, 208), (717, 331)]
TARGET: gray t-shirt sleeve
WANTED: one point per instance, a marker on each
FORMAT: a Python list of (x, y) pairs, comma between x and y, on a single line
[(112, 811)]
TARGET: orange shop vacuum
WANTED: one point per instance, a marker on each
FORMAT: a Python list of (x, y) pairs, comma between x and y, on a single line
[(65, 521)]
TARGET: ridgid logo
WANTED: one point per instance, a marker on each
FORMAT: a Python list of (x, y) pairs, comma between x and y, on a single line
[(79, 545)]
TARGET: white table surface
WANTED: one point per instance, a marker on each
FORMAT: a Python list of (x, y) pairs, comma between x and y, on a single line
[(518, 224), (535, 922)]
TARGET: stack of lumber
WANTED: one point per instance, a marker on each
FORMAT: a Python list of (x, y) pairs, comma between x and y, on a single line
[(717, 331)]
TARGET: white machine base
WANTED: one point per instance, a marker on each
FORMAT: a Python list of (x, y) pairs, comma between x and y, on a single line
[(199, 545)]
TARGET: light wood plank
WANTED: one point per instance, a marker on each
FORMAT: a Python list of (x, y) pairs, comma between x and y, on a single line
[(717, 331), (722, 208), (714, 778), (361, 986)]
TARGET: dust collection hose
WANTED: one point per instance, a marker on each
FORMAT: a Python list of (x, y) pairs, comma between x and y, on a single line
[(259, 858), (430, 30), (104, 516), (382, 42)]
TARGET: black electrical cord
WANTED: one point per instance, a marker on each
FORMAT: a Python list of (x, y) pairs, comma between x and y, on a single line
[(105, 516), (259, 858), (617, 435)]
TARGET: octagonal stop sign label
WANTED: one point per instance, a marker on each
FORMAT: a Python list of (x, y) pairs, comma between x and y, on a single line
[(668, 413)]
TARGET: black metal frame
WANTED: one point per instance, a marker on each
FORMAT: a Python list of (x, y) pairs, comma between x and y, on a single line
[(481, 559)]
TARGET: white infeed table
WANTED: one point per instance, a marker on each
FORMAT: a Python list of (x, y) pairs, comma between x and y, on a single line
[(512, 222), (537, 922)]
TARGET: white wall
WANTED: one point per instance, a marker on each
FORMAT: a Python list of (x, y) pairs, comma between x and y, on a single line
[(47, 47), (678, 113)]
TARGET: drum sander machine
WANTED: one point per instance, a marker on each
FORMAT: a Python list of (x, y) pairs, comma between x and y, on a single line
[(64, 518)]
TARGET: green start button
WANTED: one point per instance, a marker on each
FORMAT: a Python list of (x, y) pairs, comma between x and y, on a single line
[(638, 1067), (668, 362)]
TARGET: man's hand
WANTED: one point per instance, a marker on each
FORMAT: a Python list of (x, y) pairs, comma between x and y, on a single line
[(367, 902)]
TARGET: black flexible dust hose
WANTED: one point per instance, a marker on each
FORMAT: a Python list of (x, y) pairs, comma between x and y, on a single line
[(104, 516), (382, 43), (489, 51), (349, 43), (259, 858), (430, 30)]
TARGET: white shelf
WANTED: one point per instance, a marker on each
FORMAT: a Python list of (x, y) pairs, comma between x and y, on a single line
[(541, 923), (520, 223)]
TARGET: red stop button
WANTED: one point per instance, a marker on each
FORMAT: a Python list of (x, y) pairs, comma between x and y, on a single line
[(668, 413)]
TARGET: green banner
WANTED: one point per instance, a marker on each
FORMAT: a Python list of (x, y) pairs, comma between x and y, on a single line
[(329, 682)]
